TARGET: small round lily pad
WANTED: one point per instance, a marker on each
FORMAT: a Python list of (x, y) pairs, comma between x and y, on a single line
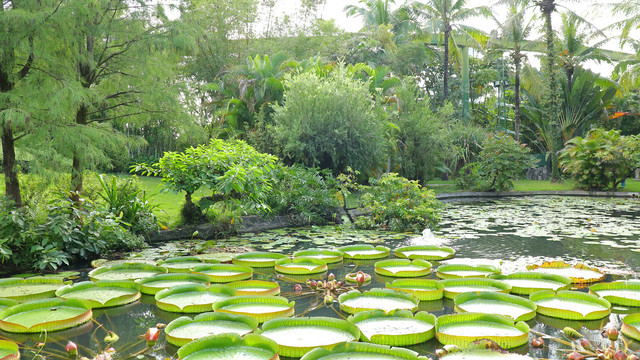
[(425, 252), (45, 315), (224, 273), (183, 330), (29, 289), (377, 299), (103, 293), (128, 272), (422, 289), (192, 298), (153, 284), (256, 287), (258, 259), (403, 268)]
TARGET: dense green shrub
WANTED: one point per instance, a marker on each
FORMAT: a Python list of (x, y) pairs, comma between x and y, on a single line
[(501, 160), (395, 203), (601, 160), (328, 122)]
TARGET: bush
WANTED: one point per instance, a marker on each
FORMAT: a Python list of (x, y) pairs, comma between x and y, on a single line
[(397, 204), (601, 160), (501, 160)]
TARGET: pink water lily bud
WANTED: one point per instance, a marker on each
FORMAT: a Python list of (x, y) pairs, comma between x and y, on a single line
[(338, 284), (330, 277), (313, 284), (585, 344), (537, 343), (328, 300), (620, 355), (613, 334), (575, 356), (360, 279), (71, 349), (297, 288), (110, 351), (152, 336)]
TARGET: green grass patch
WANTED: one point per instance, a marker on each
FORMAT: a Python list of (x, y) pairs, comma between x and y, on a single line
[(448, 186)]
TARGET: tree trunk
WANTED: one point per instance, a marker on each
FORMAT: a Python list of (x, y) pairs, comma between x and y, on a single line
[(78, 165), (447, 34), (11, 182), (516, 109), (547, 7), (569, 71)]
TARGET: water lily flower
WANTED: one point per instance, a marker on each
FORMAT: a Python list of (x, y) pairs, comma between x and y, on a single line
[(360, 278), (152, 336), (71, 349)]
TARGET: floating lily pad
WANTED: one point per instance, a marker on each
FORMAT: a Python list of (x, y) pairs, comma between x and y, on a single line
[(301, 266), (9, 350), (45, 315), (102, 293), (230, 346), (453, 287), (129, 272), (403, 268), (631, 326), (153, 284), (256, 287), (192, 298), (422, 289), (377, 299), (463, 329), (351, 278), (579, 273), (5, 303), (105, 262), (425, 252), (183, 330), (329, 256), (221, 257), (258, 259), (29, 289), (224, 273), (364, 252), (527, 282), (560, 324), (298, 336), (396, 327), (626, 293), (512, 306), (261, 308), (571, 305), (484, 355), (183, 264), (362, 351), (456, 271)]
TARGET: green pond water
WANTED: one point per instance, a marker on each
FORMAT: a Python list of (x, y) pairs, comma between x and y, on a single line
[(509, 233)]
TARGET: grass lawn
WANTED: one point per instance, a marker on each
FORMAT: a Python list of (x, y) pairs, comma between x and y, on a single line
[(448, 186)]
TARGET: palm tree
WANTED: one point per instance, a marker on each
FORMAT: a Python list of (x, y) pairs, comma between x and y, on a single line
[(374, 12), (444, 17)]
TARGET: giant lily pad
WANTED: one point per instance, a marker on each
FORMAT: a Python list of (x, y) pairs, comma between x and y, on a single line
[(631, 326), (362, 351), (456, 271), (621, 292), (192, 298), (403, 268), (224, 273), (396, 327), (258, 259), (45, 315), (126, 272), (103, 293), (105, 262), (5, 303), (422, 289), (29, 289), (364, 252), (298, 336), (579, 273), (485, 354), (9, 350), (425, 252), (376, 299), (183, 330), (527, 282), (256, 287), (221, 257), (453, 287), (512, 306), (301, 266), (329, 256), (183, 264), (230, 346), (261, 308), (153, 284), (571, 305), (463, 329)]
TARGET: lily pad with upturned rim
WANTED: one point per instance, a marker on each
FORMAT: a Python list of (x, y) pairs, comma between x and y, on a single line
[(622, 292), (403, 268), (298, 336), (258, 259), (301, 266), (261, 308), (395, 328), (527, 282), (329, 256), (423, 289), (192, 298), (497, 303), (103, 293), (183, 330), (256, 287), (230, 346), (362, 351), (153, 284), (453, 287), (45, 315), (5, 303), (129, 272), (463, 329), (184, 264), (631, 326), (485, 354), (365, 252), (224, 273), (29, 289), (457, 271), (9, 350), (425, 252), (579, 273), (351, 278), (221, 257), (377, 299), (571, 305)]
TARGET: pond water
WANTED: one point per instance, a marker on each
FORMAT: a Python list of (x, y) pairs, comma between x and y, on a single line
[(508, 233)]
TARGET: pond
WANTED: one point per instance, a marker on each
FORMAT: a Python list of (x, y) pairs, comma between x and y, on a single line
[(511, 234)]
